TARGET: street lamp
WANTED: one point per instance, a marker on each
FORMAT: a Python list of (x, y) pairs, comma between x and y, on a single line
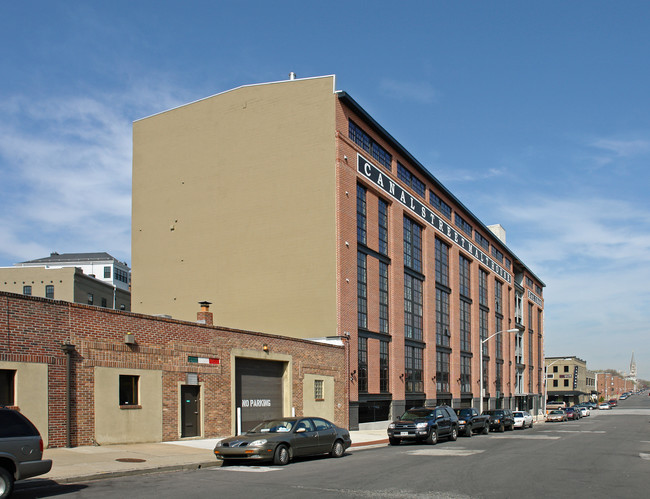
[(546, 378), (480, 360)]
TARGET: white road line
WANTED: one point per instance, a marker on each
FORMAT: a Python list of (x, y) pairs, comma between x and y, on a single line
[(575, 431), (249, 469), (644, 456), (444, 452), (526, 437)]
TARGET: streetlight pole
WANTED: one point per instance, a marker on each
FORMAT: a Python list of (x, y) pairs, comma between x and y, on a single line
[(480, 360), (546, 378)]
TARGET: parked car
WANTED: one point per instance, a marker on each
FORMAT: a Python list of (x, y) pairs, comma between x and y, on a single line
[(470, 421), (612, 402), (604, 406), (21, 450), (556, 415), (572, 413), (424, 424), (280, 440), (501, 419), (523, 419), (584, 411)]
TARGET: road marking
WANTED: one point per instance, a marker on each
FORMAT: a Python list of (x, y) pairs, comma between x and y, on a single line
[(444, 452), (644, 456), (526, 437), (249, 469), (575, 431)]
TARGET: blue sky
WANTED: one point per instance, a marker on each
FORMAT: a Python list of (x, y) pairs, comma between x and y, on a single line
[(534, 114)]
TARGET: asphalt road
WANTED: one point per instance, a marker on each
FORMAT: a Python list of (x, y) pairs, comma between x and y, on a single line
[(604, 455)]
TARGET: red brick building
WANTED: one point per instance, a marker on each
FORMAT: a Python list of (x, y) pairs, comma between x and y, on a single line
[(89, 375), (315, 221)]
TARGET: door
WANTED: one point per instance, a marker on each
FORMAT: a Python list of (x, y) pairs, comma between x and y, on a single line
[(326, 434), (305, 441), (190, 426), (258, 390)]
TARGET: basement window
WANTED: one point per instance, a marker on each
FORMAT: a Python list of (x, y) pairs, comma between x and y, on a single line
[(318, 389), (129, 390)]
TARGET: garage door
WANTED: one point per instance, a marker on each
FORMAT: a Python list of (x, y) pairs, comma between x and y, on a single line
[(258, 390)]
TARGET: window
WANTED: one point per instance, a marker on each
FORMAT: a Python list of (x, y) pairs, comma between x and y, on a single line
[(107, 272), (318, 389), (507, 262), (555, 369), (529, 282), (91, 298), (462, 224), (498, 339), (436, 202), (362, 291), (483, 288), (49, 291), (413, 369), (530, 317), (129, 389), (412, 245), (464, 277), (465, 374), (361, 214), (566, 369), (104, 303), (121, 275), (412, 307), (482, 241), (411, 180), (27, 290), (555, 384), (538, 290), (483, 330), (7, 383), (566, 382), (383, 366), (383, 297), (486, 375), (383, 226), (442, 372), (442, 263), (498, 296), (363, 364), (497, 254), (442, 318), (465, 326), (367, 143), (499, 377)]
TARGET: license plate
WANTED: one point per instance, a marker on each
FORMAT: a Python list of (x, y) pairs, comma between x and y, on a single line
[(404, 434)]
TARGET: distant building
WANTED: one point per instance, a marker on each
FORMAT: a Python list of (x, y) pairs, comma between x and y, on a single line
[(89, 278), (569, 380)]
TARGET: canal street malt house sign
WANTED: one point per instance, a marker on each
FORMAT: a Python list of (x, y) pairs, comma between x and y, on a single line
[(390, 187)]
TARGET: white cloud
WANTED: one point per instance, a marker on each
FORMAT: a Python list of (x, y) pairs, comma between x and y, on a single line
[(420, 92)]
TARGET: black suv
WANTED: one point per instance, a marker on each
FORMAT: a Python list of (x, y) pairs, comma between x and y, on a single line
[(501, 419), (21, 450), (424, 424)]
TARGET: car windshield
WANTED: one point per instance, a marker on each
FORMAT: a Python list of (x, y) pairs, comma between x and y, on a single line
[(413, 414), (273, 426), (518, 414), (463, 412), (557, 412)]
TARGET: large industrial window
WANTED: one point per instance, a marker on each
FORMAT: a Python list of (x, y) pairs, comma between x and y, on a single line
[(129, 389), (362, 291), (465, 374), (483, 288), (411, 180), (383, 226), (361, 214), (413, 369), (464, 277), (442, 263), (463, 225), (363, 364), (49, 291), (442, 372), (383, 366), (436, 202), (465, 326), (482, 241), (412, 307), (7, 383), (383, 297), (412, 245), (367, 143), (442, 318)]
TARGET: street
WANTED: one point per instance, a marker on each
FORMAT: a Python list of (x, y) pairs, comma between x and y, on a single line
[(604, 455)]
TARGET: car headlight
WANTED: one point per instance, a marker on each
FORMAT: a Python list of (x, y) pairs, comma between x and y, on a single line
[(420, 426), (497, 420), (219, 444), (257, 443), (461, 421), (391, 426)]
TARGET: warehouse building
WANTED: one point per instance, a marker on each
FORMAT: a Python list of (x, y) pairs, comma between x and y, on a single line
[(295, 212)]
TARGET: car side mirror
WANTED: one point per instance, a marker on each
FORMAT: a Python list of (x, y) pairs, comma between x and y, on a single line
[(301, 430), (439, 416)]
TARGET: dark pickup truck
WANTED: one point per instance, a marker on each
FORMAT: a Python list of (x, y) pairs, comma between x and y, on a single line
[(470, 421), (501, 419)]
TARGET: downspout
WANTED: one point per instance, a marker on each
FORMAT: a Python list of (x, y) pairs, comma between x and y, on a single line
[(68, 348)]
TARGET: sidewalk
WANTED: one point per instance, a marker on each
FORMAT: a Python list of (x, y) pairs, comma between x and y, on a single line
[(79, 464)]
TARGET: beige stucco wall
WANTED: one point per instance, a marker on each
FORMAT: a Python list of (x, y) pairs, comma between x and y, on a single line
[(13, 280), (234, 203), (31, 393), (321, 408), (115, 425)]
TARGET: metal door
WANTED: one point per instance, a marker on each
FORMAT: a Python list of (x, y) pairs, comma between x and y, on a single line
[(190, 420)]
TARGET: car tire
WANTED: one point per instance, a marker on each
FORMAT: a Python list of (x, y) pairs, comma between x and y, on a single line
[(468, 431), (453, 436), (281, 456), (337, 449), (531, 425), (486, 430), (502, 428), (394, 441), (432, 439), (6, 483)]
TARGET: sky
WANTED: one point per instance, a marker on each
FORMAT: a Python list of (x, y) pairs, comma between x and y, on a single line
[(534, 114)]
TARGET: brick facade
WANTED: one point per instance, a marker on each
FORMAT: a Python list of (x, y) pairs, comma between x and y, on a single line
[(32, 330)]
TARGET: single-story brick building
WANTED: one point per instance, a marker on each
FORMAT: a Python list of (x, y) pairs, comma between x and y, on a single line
[(87, 375)]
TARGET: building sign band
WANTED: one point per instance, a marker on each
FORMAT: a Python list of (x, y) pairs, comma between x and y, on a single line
[(390, 187)]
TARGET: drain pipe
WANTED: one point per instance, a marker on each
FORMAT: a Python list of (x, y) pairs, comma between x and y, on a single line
[(68, 348)]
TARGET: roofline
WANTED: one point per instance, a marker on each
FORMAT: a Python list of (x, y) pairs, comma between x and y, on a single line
[(354, 105), (239, 88)]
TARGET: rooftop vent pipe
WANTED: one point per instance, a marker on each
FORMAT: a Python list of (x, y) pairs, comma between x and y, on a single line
[(292, 75)]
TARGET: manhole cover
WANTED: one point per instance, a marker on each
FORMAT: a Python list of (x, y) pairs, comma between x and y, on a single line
[(130, 460)]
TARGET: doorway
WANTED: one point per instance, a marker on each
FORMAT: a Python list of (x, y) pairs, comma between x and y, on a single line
[(190, 414)]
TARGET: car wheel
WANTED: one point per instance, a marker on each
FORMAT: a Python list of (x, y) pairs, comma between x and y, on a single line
[(394, 441), (502, 428), (486, 430), (454, 434), (337, 450), (468, 431), (6, 483), (531, 425), (433, 438), (281, 457)]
